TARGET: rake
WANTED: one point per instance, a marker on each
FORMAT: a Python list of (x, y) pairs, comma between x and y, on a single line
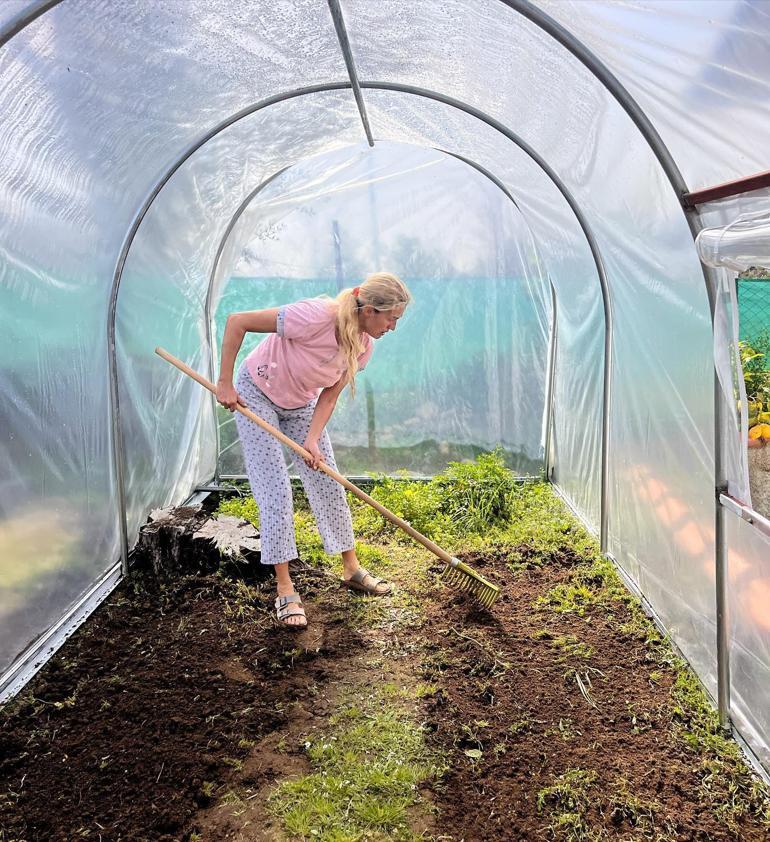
[(456, 573)]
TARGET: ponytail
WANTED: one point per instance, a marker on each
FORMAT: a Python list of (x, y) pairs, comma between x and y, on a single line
[(382, 291)]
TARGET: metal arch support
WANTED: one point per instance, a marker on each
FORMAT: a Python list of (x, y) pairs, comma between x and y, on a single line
[(247, 201), (600, 70), (485, 172), (24, 18), (347, 53), (209, 316), (612, 84), (118, 445), (553, 339), (595, 253)]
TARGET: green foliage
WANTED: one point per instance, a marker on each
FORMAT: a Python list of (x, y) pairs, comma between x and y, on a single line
[(567, 599), (310, 547), (755, 361), (418, 503), (242, 507), (726, 781), (468, 498), (589, 584), (540, 527), (568, 801), (366, 771), (475, 495)]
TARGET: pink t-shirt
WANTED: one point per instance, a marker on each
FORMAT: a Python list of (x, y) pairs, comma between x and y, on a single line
[(294, 364)]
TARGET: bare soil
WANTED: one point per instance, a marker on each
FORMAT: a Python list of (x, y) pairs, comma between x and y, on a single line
[(179, 694), (508, 670)]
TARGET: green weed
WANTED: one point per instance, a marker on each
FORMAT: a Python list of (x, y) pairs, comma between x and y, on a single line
[(567, 599), (366, 771), (727, 783), (624, 806), (567, 800), (242, 507)]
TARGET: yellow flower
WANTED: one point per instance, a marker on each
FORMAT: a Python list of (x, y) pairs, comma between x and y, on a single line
[(761, 431)]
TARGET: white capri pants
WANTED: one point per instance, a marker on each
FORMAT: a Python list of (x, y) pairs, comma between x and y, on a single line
[(269, 477)]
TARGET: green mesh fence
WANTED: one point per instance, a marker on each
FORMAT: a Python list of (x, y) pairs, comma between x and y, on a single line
[(753, 309)]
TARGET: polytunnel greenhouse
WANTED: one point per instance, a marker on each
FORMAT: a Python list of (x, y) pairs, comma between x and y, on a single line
[(576, 403)]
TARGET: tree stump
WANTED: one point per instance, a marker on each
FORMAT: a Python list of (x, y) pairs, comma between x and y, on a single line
[(188, 540)]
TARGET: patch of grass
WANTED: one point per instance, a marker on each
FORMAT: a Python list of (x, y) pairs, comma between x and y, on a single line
[(234, 801), (240, 599), (366, 770), (565, 729), (310, 547), (567, 599), (625, 807), (727, 784), (593, 582), (567, 645), (520, 726), (567, 800)]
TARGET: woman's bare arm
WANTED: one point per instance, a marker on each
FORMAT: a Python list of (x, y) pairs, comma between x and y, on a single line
[(236, 327), (324, 408)]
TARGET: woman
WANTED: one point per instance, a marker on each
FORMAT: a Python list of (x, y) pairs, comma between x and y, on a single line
[(292, 379)]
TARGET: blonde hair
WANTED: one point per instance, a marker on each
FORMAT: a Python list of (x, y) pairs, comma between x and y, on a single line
[(382, 291)]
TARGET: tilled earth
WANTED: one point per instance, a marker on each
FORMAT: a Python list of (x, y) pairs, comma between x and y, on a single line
[(554, 725), (511, 689)]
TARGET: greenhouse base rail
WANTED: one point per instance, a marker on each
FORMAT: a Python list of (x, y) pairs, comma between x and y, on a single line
[(35, 656)]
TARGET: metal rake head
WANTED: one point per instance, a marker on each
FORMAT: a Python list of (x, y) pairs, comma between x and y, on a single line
[(459, 575)]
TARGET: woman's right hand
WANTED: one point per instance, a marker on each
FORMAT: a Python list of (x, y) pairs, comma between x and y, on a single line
[(227, 396)]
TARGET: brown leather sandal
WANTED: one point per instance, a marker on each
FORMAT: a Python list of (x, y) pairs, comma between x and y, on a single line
[(357, 582), (290, 606)]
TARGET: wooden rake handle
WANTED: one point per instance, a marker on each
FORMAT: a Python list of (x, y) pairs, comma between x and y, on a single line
[(354, 489)]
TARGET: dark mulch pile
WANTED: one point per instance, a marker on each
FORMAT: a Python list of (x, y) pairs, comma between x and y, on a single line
[(157, 695), (510, 696)]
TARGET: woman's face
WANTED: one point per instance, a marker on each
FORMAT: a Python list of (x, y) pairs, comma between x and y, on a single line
[(378, 322)]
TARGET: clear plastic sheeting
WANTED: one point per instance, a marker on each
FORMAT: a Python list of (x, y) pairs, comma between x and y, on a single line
[(167, 420), (465, 370), (10, 10), (697, 68), (739, 245), (567, 261), (100, 100), (749, 598)]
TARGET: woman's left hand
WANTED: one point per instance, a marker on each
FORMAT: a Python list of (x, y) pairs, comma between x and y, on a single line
[(317, 457)]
